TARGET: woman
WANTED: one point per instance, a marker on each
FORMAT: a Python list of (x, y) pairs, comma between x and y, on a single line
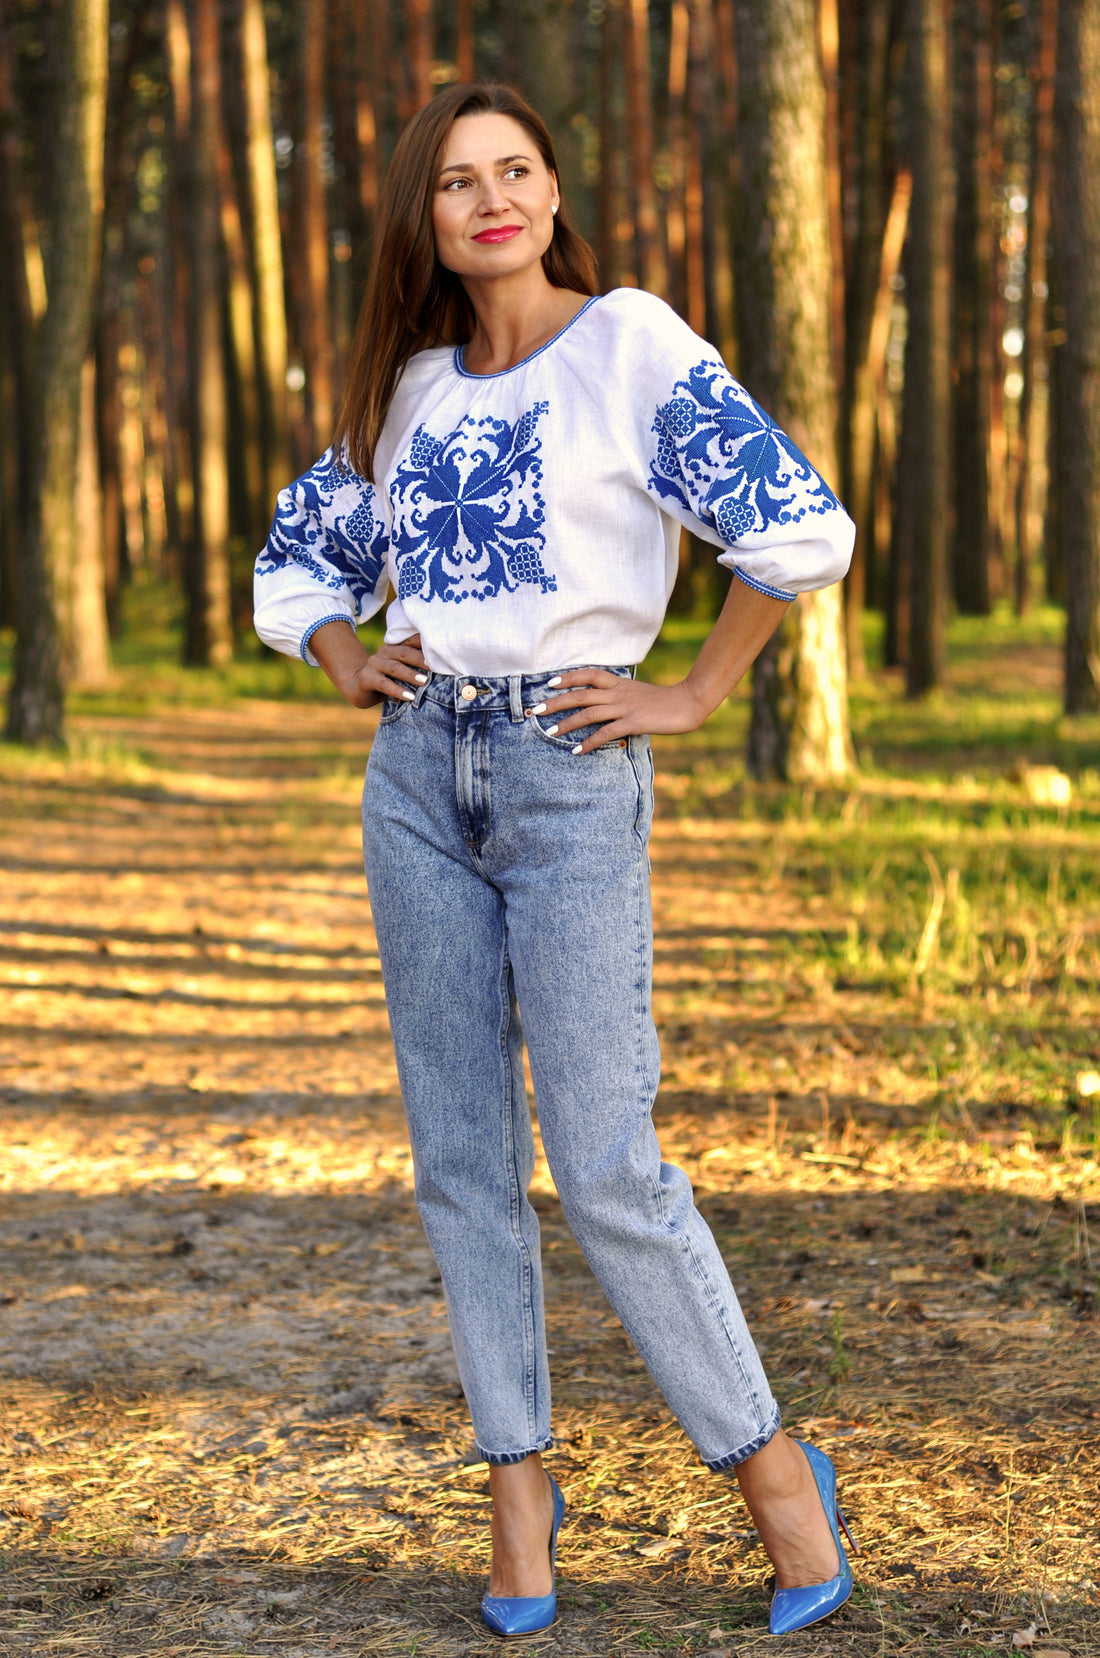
[(516, 457)]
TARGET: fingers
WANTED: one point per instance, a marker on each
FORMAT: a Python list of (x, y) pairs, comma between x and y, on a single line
[(606, 734), (598, 678), (401, 663)]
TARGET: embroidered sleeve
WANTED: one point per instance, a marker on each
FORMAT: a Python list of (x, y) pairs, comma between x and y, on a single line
[(720, 465), (325, 558)]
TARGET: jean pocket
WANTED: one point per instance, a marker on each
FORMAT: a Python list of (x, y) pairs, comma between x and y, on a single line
[(570, 739), (392, 709)]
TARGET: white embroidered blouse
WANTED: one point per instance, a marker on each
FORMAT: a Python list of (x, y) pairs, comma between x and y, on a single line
[(529, 520)]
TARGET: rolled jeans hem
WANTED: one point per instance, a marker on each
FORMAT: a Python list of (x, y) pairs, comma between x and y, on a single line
[(504, 1459), (733, 1458)]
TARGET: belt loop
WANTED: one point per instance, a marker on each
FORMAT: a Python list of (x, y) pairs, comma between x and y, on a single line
[(421, 691), (515, 697)]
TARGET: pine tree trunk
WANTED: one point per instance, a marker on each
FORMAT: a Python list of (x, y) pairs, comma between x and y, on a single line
[(248, 515), (1033, 405), (784, 290), (715, 75), (652, 261), (464, 41), (973, 323), (418, 23), (315, 325), (869, 398), (84, 626), (209, 629), (1077, 256), (926, 408), (607, 245), (267, 250), (675, 212), (701, 107), (365, 87), (51, 543), (868, 53)]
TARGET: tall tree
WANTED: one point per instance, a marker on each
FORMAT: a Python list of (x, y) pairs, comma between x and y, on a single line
[(315, 320), (1031, 482), (973, 323), (209, 629), (267, 248), (74, 205), (1077, 385), (923, 479), (784, 291), (865, 39), (652, 259)]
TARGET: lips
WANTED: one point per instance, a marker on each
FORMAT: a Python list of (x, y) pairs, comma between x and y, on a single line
[(498, 233)]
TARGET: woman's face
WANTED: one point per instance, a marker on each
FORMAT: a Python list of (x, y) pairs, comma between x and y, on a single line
[(493, 211)]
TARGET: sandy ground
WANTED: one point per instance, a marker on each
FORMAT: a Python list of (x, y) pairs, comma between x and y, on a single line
[(231, 1419)]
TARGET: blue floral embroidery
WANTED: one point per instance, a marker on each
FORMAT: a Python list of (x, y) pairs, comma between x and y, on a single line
[(721, 457), (326, 523), (467, 512)]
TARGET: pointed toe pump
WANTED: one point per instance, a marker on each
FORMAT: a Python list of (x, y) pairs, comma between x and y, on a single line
[(796, 1608), (525, 1614)]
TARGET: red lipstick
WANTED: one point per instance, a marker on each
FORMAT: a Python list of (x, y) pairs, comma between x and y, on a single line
[(498, 233)]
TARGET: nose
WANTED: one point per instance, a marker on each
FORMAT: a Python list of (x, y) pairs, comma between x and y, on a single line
[(493, 199)]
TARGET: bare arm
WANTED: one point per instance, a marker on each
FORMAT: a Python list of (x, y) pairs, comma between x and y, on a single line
[(363, 678), (632, 706)]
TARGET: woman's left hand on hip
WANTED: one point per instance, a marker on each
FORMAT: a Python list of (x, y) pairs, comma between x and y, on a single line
[(621, 707)]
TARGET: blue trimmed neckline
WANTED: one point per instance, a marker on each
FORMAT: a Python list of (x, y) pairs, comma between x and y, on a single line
[(461, 368)]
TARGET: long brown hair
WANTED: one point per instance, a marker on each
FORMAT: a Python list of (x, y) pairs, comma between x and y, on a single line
[(412, 301)]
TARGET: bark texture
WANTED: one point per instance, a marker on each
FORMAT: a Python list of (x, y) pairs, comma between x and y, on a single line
[(267, 249), (784, 290), (1032, 480), (51, 540), (209, 633), (924, 484), (974, 237), (1077, 254)]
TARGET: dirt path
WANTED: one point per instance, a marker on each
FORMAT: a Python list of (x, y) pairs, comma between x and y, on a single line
[(231, 1420)]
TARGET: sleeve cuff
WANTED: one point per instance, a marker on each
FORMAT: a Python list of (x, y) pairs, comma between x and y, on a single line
[(760, 586), (337, 616)]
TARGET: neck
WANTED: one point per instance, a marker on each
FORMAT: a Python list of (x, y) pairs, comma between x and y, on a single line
[(515, 315)]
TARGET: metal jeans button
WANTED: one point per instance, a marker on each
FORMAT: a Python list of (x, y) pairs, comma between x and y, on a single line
[(468, 693)]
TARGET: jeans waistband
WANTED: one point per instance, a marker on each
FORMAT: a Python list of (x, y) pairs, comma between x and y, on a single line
[(471, 693)]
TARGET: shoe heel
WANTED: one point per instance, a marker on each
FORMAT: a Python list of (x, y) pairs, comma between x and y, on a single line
[(854, 1545)]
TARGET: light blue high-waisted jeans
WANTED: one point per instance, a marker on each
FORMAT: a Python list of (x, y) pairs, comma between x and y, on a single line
[(503, 870)]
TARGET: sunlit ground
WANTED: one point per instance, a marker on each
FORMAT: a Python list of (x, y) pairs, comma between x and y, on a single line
[(231, 1417)]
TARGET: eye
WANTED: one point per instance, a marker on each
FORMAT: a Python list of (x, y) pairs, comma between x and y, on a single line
[(518, 171), (453, 185)]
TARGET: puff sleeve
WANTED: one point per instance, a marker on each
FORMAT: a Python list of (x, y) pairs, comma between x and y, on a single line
[(717, 462), (325, 558)]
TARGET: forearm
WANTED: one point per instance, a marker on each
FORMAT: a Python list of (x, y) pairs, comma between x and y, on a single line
[(745, 623), (342, 656)]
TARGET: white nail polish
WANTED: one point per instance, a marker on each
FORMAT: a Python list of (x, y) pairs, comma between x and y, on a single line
[(539, 708), (550, 730), (555, 681), (578, 748), (409, 696), (421, 679)]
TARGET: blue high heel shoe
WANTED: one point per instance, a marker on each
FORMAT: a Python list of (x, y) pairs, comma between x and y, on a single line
[(525, 1614), (795, 1608)]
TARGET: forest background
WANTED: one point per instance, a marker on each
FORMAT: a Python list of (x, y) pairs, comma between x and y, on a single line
[(853, 199), (229, 1416)]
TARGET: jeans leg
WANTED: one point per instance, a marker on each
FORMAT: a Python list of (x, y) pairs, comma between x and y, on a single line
[(580, 940), (441, 937)]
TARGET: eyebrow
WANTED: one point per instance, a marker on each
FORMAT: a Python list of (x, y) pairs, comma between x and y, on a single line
[(468, 166)]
